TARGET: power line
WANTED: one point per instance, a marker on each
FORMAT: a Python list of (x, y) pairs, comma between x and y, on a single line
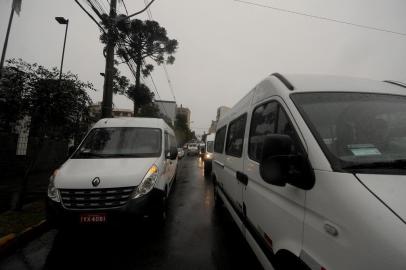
[(90, 15), (124, 5), (136, 13), (322, 18), (163, 64)]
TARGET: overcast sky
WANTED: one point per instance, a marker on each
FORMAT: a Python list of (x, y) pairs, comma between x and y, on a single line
[(225, 47)]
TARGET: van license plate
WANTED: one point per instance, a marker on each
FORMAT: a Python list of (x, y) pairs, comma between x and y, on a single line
[(93, 218)]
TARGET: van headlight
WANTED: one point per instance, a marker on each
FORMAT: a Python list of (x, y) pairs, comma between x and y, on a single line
[(147, 183), (53, 192)]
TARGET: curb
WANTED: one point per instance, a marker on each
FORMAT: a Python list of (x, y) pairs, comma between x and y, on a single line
[(12, 241)]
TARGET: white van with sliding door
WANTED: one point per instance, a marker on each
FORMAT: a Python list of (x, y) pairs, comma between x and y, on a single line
[(123, 170), (208, 155), (313, 171)]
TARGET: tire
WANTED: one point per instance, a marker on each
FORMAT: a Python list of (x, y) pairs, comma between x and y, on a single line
[(207, 169), (285, 260), (160, 214)]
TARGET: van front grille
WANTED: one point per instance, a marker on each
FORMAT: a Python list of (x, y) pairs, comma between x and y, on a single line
[(95, 198)]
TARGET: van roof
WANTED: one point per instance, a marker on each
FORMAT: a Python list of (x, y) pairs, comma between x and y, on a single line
[(286, 84), (132, 122), (331, 83)]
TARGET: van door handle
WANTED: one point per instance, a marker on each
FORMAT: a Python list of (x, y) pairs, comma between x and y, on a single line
[(219, 163), (242, 177)]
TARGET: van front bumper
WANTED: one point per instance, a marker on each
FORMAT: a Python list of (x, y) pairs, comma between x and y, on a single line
[(135, 209)]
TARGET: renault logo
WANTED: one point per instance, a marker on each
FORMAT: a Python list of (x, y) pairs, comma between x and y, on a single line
[(96, 181)]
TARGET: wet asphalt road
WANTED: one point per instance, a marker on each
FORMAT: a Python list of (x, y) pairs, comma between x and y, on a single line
[(195, 236)]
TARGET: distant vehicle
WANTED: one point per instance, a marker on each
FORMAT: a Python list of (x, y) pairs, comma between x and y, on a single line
[(192, 149), (208, 156), (124, 168), (202, 149), (312, 170), (181, 153)]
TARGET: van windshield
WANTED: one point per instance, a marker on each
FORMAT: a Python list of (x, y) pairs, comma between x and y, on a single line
[(121, 142), (358, 131)]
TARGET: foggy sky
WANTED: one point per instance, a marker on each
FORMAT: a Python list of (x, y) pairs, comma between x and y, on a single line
[(225, 47)]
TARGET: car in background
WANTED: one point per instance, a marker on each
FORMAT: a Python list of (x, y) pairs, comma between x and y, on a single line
[(192, 149), (123, 170), (181, 153), (202, 149), (208, 156)]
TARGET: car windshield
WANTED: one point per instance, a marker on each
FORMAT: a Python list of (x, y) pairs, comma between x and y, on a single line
[(121, 142), (357, 131), (210, 146)]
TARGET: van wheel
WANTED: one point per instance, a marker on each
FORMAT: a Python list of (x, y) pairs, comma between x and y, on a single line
[(160, 214), (284, 260)]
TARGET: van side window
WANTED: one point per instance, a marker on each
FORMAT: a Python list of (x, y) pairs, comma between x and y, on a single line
[(219, 140), (235, 136), (269, 118), (284, 126), (263, 123)]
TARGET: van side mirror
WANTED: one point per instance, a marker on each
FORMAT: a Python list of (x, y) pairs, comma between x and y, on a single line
[(279, 166), (172, 153), (71, 149)]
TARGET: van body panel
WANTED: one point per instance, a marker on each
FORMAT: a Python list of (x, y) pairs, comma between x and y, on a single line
[(113, 172), (366, 228), (276, 211), (344, 221), (389, 188)]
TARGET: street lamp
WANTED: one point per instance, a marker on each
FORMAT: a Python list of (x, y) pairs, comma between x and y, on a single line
[(62, 20)]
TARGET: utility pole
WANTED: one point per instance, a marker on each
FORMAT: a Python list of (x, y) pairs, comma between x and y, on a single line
[(62, 20), (3, 55), (108, 78)]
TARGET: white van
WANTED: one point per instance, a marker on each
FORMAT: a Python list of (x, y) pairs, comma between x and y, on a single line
[(313, 171), (123, 169), (208, 156)]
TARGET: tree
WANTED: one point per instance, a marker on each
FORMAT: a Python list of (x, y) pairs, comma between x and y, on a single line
[(57, 109), (120, 83), (182, 130), (140, 97), (141, 40), (149, 110)]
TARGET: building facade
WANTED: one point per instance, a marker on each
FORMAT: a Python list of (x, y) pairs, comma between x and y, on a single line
[(185, 112), (167, 108), (95, 111), (221, 111)]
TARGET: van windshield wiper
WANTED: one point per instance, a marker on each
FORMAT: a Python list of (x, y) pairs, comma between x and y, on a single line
[(96, 155), (392, 164), (92, 155)]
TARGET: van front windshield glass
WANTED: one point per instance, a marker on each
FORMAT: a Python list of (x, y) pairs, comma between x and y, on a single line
[(358, 131), (121, 142)]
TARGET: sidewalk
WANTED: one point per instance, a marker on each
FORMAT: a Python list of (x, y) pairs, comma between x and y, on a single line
[(37, 184), (16, 222)]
